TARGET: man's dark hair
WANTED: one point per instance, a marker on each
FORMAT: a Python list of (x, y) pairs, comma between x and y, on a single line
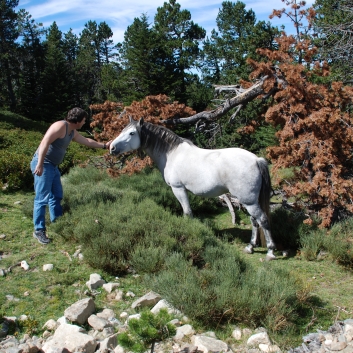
[(76, 115)]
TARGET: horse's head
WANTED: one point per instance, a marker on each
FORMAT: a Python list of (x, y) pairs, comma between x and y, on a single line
[(129, 138)]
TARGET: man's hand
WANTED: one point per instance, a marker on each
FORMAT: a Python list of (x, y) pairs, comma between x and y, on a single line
[(39, 170)]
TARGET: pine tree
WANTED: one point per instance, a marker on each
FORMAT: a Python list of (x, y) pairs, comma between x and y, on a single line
[(137, 54), (56, 98), (8, 49), (177, 39), (32, 63)]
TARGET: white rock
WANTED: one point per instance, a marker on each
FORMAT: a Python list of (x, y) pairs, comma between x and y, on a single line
[(62, 320), (70, 338), (24, 265), (185, 330), (51, 325), (106, 314), (119, 349), (95, 281), (268, 348), (124, 315), (258, 338), (108, 344), (163, 304), (48, 267), (209, 344), (149, 299), (236, 334), (80, 311), (98, 323), (109, 287), (135, 316), (119, 295)]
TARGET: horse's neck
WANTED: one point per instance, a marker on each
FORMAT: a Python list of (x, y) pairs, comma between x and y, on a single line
[(160, 159)]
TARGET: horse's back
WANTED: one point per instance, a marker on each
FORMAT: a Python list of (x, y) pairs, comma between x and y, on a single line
[(213, 172)]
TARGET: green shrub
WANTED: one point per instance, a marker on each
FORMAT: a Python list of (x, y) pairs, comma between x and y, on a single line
[(115, 225), (288, 228), (337, 242), (229, 290)]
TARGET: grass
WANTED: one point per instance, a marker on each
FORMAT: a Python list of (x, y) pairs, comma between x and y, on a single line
[(43, 295)]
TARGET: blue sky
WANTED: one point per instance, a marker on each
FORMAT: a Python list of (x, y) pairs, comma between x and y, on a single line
[(120, 14)]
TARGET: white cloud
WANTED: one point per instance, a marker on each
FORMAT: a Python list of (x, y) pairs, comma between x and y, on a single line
[(119, 15)]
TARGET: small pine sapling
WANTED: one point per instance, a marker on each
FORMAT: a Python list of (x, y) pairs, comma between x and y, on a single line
[(147, 330)]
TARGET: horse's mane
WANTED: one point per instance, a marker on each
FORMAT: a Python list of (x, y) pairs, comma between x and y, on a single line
[(159, 138)]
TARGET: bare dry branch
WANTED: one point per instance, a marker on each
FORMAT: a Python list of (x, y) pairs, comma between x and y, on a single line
[(240, 99)]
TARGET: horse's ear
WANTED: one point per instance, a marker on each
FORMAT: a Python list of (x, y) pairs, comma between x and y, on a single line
[(141, 121)]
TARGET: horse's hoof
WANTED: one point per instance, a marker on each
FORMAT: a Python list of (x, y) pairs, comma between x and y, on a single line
[(285, 253), (249, 249), (270, 257)]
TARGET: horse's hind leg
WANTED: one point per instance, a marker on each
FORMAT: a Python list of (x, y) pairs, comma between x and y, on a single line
[(254, 236), (259, 218)]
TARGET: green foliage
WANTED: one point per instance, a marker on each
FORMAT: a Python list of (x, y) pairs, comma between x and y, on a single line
[(147, 330), (288, 228), (335, 243), (227, 289), (116, 223)]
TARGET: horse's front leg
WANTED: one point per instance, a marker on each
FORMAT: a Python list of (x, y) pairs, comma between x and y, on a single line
[(182, 196)]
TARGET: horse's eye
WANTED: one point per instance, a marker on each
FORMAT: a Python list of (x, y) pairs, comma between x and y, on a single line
[(132, 133)]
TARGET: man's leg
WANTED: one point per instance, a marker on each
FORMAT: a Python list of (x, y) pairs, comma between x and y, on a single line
[(42, 188), (56, 196)]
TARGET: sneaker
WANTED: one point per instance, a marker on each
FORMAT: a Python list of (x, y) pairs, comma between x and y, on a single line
[(41, 236)]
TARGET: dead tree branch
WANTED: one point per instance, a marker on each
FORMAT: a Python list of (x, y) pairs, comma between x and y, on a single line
[(241, 99)]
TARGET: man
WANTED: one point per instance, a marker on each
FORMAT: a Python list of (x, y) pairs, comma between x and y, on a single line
[(44, 166)]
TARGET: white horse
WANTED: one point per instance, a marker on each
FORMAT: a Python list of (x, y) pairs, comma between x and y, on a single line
[(207, 173)]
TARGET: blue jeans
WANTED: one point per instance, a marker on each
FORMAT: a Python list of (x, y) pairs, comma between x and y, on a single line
[(48, 191)]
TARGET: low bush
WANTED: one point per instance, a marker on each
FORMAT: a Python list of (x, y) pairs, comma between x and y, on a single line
[(117, 224), (335, 243), (227, 289)]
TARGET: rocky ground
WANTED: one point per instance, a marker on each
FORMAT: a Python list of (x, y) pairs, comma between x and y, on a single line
[(70, 334)]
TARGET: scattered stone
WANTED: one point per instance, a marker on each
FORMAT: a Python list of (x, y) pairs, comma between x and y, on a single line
[(236, 334), (261, 337), (51, 325), (130, 294), (24, 265), (109, 287), (98, 323), (163, 304), (70, 338), (124, 315), (17, 202), (107, 314), (80, 311), (48, 267), (182, 331), (119, 295), (95, 281), (148, 299), (2, 236), (209, 344)]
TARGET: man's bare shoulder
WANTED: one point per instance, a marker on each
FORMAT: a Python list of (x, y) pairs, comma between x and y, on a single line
[(58, 129)]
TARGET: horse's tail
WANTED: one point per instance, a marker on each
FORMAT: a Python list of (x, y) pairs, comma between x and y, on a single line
[(265, 192)]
